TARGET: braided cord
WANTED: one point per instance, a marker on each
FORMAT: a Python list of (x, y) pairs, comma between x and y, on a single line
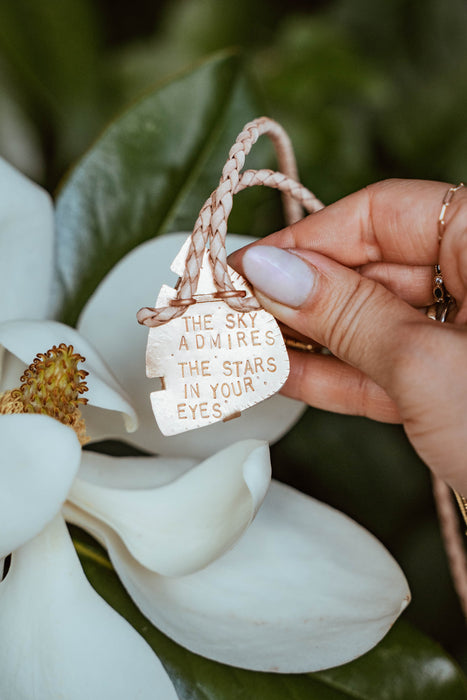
[(452, 538), (211, 225)]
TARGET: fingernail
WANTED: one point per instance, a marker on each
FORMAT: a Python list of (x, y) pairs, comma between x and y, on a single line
[(279, 274)]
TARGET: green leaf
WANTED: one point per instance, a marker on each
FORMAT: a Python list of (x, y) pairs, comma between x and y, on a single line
[(51, 47), (406, 665), (149, 173)]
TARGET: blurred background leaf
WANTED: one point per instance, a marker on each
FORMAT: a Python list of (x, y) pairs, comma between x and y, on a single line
[(366, 90), (51, 51)]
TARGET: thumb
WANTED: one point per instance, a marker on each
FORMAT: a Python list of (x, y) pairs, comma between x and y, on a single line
[(357, 319)]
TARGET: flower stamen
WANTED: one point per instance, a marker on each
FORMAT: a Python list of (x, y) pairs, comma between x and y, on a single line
[(52, 385)]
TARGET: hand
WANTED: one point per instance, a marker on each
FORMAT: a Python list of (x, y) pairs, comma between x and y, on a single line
[(352, 277)]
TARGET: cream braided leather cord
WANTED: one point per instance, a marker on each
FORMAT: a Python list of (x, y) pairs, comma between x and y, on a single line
[(211, 224), (452, 537)]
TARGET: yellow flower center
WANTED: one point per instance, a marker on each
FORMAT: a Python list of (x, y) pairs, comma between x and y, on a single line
[(52, 385)]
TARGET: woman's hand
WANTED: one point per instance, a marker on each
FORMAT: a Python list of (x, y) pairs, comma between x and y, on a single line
[(352, 277)]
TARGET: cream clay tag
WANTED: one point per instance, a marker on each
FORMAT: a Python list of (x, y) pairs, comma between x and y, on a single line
[(214, 361), (216, 351)]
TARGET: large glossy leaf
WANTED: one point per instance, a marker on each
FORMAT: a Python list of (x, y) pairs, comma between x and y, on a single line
[(149, 173), (406, 665)]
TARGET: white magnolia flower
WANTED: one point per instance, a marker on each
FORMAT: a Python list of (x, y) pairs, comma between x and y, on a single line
[(299, 589), (58, 638)]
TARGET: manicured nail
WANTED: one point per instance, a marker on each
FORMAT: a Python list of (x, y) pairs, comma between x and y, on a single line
[(279, 274)]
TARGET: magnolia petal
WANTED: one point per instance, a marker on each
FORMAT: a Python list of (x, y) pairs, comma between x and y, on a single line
[(40, 459), (305, 589), (59, 639), (135, 282), (182, 526), (132, 472), (26, 246), (25, 339)]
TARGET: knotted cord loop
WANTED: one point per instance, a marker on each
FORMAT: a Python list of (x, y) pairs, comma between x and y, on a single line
[(211, 225)]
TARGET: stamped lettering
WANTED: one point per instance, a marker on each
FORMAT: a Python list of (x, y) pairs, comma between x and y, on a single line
[(215, 362)]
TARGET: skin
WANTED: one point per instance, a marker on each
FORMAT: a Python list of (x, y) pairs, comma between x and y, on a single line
[(373, 254)]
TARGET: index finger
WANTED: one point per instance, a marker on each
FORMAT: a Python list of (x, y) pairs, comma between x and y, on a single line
[(393, 220)]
